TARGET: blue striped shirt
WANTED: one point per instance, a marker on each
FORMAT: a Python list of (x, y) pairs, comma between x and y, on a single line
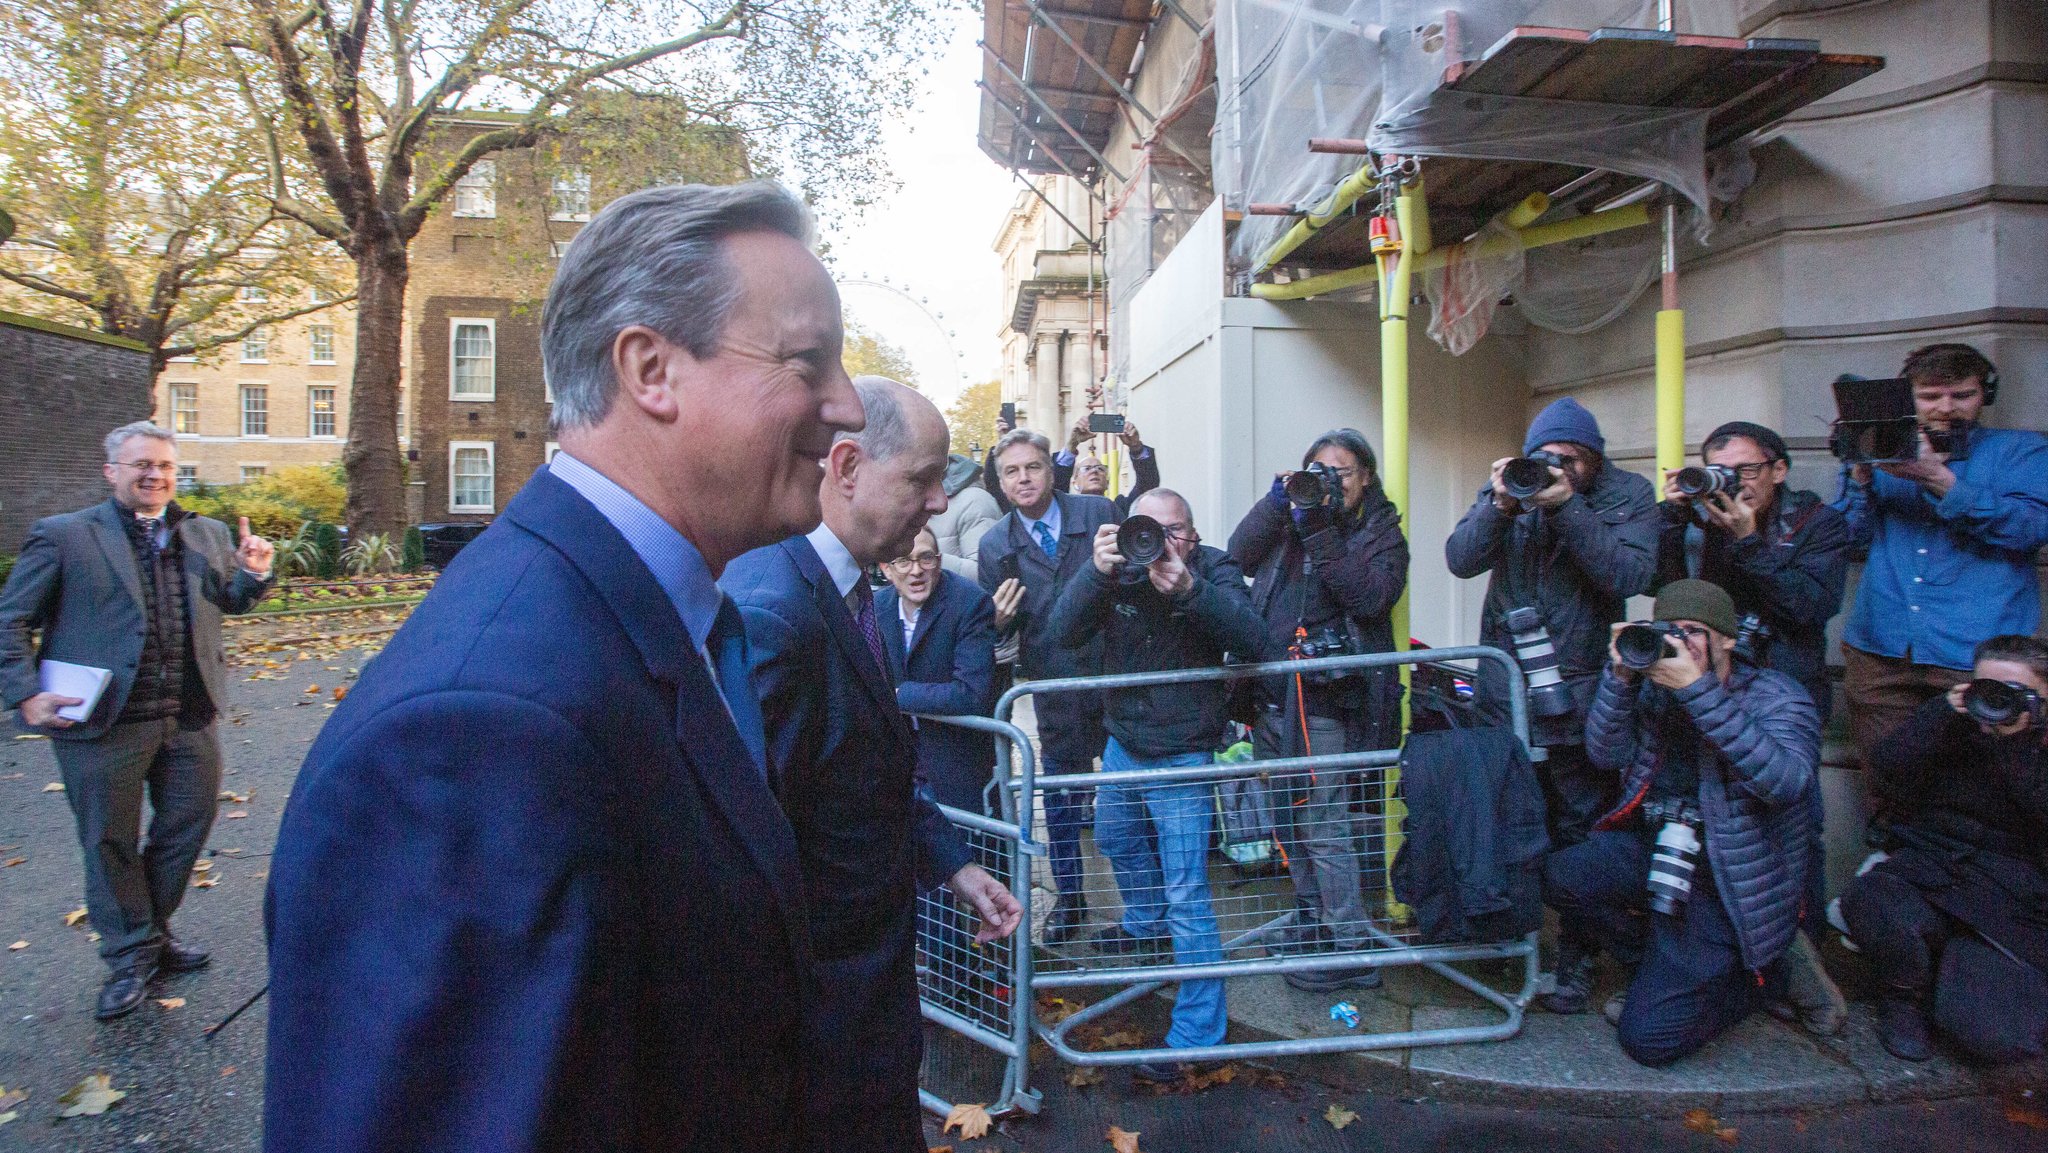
[(676, 564)]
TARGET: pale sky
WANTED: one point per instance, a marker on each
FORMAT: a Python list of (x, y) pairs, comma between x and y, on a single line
[(934, 235)]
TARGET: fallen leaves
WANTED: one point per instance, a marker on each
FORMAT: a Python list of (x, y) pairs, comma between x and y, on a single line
[(1082, 1076), (72, 918), (238, 798), (1338, 1116), (202, 866), (973, 1121), (341, 692), (312, 690), (9, 1098), (54, 787), (13, 861), (31, 737), (1122, 1140), (17, 947), (170, 1002), (205, 882), (2022, 1115), (236, 815), (90, 1097), (1701, 1121)]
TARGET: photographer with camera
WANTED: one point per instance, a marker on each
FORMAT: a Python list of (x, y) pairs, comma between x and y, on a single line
[(1717, 761), (1952, 920), (1157, 599), (1952, 536), (1568, 538), (1089, 474), (1328, 561), (1781, 553)]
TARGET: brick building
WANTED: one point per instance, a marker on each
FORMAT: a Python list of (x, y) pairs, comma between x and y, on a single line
[(62, 390), (481, 268)]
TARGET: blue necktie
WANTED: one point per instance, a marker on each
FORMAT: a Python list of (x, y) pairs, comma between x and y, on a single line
[(1046, 540), (728, 646)]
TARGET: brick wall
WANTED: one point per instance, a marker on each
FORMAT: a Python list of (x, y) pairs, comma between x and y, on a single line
[(61, 392), (514, 423)]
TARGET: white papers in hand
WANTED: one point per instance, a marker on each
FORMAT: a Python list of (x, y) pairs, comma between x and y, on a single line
[(68, 680)]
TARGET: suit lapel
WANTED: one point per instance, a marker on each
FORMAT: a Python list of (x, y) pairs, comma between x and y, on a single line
[(839, 621), (112, 537), (934, 605), (705, 735)]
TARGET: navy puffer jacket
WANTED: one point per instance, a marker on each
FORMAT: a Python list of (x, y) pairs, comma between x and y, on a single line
[(1756, 787)]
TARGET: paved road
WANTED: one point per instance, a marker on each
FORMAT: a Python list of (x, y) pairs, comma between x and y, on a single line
[(186, 1093)]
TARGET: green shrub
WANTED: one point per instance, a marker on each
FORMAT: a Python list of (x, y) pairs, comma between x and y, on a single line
[(327, 539), (6, 567), (297, 554), (373, 552), (413, 555), (321, 490)]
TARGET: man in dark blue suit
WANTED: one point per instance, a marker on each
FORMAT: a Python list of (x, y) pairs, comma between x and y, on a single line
[(532, 890), (844, 761), (1025, 560), (939, 630)]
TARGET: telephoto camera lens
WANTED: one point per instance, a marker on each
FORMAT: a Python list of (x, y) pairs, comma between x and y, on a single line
[(1671, 867), (1525, 476), (1141, 539), (1705, 479), (1548, 695), (1995, 702), (1641, 645)]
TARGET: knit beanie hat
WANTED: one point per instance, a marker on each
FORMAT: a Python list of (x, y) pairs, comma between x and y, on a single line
[(1565, 421), (1772, 444), (1697, 600)]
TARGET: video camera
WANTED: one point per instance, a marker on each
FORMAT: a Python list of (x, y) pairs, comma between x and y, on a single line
[(1876, 423)]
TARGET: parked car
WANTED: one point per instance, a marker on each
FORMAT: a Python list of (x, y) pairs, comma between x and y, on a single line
[(443, 541)]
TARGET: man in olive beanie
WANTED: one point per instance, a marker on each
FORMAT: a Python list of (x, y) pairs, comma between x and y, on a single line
[(1716, 760)]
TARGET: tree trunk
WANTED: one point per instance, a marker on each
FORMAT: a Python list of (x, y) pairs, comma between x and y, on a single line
[(376, 475)]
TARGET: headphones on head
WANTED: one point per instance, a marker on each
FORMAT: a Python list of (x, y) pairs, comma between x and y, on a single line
[(1979, 364)]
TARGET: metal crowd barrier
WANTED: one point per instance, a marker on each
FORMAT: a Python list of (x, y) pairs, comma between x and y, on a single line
[(1258, 929), (983, 992)]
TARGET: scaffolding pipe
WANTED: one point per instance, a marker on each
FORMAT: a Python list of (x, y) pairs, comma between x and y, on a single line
[(1534, 236), (1039, 13), (1342, 197), (1670, 326), (1052, 112), (1394, 298)]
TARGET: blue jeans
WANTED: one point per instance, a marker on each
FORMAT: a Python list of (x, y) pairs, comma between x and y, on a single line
[(1157, 841)]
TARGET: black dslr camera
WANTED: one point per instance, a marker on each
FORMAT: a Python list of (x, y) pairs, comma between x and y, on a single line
[(1317, 486), (1705, 480), (1876, 423), (1525, 476), (1141, 540), (1999, 703), (1642, 644), (1327, 641)]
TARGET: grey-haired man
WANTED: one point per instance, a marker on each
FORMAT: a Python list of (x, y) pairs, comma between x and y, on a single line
[(134, 585)]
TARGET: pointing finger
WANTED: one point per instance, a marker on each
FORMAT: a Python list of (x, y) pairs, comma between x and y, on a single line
[(245, 528)]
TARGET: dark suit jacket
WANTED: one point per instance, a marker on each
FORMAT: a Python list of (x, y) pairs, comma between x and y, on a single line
[(531, 890), (950, 670), (76, 579), (1069, 724), (844, 759)]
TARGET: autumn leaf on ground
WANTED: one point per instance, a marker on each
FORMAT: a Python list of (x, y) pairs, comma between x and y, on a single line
[(13, 861), (2017, 1114), (171, 1002), (231, 795), (202, 866), (54, 787), (30, 737), (312, 690), (236, 815), (90, 1097), (9, 1098), (227, 1070), (1053, 1010), (17, 947), (1122, 1140), (1198, 1080), (938, 1149), (1082, 1076), (1122, 1039), (973, 1121), (206, 882), (73, 917), (1701, 1121), (1338, 1116), (10, 1115), (340, 692)]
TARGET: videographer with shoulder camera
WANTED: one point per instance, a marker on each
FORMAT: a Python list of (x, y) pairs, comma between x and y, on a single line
[(1160, 599), (1781, 553), (1569, 538), (1952, 920), (1952, 537), (1328, 561), (1717, 760)]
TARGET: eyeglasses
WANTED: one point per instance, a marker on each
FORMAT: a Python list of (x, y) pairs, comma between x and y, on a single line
[(903, 565), (1181, 532), (1749, 471), (1692, 632), (145, 467)]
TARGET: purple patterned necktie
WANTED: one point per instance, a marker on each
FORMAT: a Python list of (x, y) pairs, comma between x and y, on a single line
[(863, 598)]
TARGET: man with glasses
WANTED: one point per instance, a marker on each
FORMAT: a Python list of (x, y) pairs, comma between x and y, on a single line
[(1716, 762), (939, 630), (1574, 552), (1184, 610), (1091, 472), (1782, 554), (135, 586)]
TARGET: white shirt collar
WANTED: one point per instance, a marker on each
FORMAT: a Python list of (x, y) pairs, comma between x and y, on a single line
[(845, 571)]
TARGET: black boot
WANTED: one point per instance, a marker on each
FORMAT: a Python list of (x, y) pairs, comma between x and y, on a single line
[(1574, 993), (123, 991)]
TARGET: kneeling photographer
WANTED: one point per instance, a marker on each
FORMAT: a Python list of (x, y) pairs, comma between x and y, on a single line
[(1160, 599), (1952, 920), (1328, 561), (1782, 553), (1716, 759)]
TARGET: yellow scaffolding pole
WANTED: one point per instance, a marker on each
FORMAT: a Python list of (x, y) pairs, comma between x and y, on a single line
[(1396, 272), (1342, 197), (1670, 360)]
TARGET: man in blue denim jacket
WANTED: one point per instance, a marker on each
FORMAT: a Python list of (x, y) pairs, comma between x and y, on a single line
[(1952, 539)]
